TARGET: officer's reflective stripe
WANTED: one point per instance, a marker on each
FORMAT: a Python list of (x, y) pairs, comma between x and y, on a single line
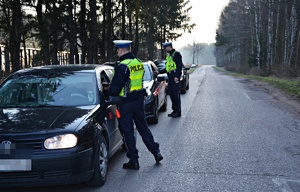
[(134, 77), (136, 88)]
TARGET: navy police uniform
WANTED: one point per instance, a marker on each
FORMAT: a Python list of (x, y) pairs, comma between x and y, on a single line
[(174, 87), (132, 109)]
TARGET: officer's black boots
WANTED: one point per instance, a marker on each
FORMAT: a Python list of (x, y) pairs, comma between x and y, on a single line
[(131, 165), (170, 114), (158, 157), (174, 114)]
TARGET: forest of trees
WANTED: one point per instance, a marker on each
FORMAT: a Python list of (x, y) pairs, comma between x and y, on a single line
[(260, 36), (85, 29)]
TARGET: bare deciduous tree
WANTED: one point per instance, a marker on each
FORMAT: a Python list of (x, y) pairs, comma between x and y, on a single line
[(273, 45)]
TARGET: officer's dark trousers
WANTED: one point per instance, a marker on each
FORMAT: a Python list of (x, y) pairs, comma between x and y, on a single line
[(133, 112), (174, 91)]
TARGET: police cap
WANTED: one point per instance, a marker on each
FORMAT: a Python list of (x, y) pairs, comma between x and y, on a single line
[(122, 43), (167, 44)]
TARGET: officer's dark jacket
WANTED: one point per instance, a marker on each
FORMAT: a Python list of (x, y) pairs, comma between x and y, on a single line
[(177, 58), (121, 76)]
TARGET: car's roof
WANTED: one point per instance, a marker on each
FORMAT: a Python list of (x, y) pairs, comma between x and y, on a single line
[(63, 68), (159, 60), (148, 62)]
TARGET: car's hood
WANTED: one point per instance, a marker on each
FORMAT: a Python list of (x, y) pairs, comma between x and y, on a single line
[(148, 84), (16, 120)]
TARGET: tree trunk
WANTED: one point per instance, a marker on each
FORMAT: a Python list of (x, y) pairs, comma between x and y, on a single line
[(103, 42), (45, 47), (297, 58), (54, 28), (286, 38), (109, 39), (277, 51), (72, 31), (83, 32), (15, 35), (93, 50), (257, 32), (26, 65), (130, 14), (123, 19), (6, 56), (136, 39), (270, 34), (293, 41)]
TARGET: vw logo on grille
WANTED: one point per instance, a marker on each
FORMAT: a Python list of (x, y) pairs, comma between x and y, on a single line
[(6, 142)]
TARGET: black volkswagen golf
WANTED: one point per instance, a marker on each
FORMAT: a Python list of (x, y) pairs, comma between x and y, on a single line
[(56, 126)]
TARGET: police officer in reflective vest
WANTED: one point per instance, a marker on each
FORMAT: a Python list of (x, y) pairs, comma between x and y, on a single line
[(128, 83), (173, 69)]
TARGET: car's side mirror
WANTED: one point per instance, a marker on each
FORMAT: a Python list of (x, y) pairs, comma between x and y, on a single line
[(161, 77), (105, 84)]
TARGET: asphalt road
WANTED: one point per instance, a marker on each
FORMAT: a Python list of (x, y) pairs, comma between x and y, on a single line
[(231, 137)]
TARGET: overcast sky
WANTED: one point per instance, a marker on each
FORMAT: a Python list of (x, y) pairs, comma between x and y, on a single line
[(205, 14)]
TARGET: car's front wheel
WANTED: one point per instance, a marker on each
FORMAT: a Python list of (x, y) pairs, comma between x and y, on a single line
[(183, 89), (100, 164), (188, 85)]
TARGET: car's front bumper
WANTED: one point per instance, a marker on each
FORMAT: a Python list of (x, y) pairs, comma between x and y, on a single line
[(60, 167)]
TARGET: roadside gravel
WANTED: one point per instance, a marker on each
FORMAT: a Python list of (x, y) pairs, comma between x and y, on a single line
[(278, 94)]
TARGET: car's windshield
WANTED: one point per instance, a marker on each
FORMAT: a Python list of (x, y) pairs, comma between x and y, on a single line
[(63, 89)]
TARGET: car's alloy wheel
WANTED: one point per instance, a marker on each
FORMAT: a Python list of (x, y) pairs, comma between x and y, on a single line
[(183, 90), (100, 164), (103, 159)]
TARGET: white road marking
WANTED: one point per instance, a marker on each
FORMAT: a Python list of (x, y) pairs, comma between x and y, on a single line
[(283, 184)]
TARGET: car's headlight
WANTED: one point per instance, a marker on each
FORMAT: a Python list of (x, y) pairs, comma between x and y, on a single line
[(61, 142)]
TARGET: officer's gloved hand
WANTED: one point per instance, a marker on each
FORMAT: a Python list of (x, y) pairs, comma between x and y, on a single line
[(114, 100)]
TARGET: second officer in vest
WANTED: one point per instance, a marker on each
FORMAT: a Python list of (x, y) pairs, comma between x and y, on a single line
[(128, 83), (173, 69)]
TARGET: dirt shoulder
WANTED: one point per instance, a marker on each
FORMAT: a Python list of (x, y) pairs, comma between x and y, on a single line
[(278, 94)]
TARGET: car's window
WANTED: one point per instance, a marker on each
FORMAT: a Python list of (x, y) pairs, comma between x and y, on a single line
[(148, 73), (104, 77), (67, 89), (161, 65), (105, 83)]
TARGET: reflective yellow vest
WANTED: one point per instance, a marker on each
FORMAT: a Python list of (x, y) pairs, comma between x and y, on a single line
[(136, 68), (170, 64)]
